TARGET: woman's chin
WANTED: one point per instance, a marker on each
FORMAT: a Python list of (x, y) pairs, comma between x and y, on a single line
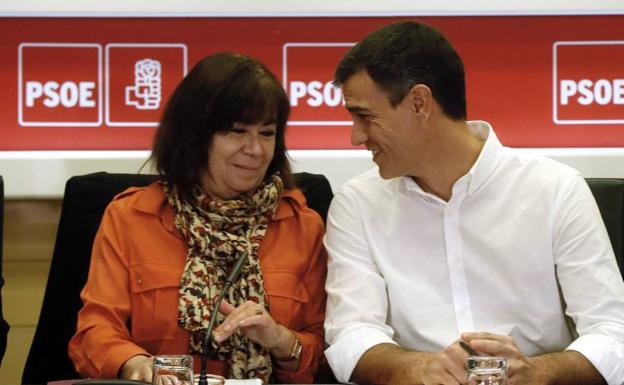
[(245, 188)]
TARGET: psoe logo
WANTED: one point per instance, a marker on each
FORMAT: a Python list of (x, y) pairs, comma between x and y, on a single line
[(139, 78), (59, 84), (588, 82), (307, 77), (146, 92)]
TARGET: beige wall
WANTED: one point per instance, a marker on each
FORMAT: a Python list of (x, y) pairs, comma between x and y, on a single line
[(29, 233)]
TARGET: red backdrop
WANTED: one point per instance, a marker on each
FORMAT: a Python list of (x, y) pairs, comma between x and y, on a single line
[(71, 83)]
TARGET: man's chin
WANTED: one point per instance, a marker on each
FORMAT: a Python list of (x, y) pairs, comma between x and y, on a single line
[(385, 174)]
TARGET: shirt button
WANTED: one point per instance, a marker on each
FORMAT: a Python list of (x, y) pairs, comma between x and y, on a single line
[(139, 281)]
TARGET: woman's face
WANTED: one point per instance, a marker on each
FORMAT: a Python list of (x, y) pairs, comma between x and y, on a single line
[(238, 159)]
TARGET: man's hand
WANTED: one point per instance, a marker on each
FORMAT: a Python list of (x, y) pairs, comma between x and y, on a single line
[(446, 367), (521, 370), (137, 368), (391, 364), (568, 367)]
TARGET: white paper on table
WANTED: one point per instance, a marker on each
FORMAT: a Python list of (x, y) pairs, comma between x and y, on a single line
[(253, 381)]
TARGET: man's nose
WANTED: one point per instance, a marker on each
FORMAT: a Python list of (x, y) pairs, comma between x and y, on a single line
[(358, 135)]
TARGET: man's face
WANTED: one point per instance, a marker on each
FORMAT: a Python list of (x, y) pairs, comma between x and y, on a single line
[(390, 133)]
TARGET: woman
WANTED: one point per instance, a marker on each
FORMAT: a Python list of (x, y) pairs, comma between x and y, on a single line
[(162, 252)]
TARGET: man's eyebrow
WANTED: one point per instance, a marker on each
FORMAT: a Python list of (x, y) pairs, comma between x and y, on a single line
[(357, 109)]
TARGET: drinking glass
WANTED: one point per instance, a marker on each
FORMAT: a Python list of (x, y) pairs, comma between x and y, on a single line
[(486, 370), (173, 370)]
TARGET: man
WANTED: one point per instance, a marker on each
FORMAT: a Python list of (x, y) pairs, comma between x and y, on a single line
[(456, 237)]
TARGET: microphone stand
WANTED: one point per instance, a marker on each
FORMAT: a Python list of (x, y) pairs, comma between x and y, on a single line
[(207, 346)]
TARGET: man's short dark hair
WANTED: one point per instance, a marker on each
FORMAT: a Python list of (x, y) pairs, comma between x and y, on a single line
[(220, 90), (401, 55)]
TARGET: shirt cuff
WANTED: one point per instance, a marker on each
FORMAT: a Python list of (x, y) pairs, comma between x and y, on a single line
[(605, 353), (114, 361), (345, 353), (308, 362)]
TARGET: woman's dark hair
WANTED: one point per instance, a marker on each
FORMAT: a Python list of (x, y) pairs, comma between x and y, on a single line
[(220, 90), (401, 55)]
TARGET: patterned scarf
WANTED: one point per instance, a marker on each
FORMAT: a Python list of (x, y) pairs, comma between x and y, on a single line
[(218, 232)]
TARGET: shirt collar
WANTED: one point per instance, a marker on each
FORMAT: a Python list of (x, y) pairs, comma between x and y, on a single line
[(153, 200), (482, 167), (486, 162), (290, 201)]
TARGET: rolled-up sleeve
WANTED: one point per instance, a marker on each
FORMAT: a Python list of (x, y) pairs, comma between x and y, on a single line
[(605, 353), (590, 281), (357, 300)]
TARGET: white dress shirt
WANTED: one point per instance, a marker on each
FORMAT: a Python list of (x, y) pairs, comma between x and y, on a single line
[(520, 249)]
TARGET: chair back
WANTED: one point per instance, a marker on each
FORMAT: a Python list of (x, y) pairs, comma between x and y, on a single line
[(4, 326), (84, 202), (609, 194)]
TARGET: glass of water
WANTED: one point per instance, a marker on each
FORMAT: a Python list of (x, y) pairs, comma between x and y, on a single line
[(486, 370), (173, 370)]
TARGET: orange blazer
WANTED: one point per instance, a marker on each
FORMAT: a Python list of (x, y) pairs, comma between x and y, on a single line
[(131, 295)]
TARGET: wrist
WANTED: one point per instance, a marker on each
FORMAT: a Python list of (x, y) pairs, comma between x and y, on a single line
[(408, 367), (542, 371), (282, 348), (422, 365)]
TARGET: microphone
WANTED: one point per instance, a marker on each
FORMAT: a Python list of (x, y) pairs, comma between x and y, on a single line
[(240, 262)]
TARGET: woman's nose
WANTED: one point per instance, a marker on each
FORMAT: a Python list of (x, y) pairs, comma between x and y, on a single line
[(252, 145)]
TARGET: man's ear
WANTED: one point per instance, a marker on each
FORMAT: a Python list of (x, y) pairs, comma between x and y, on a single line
[(421, 99)]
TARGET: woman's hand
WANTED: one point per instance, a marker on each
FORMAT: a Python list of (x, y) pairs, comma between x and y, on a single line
[(257, 325), (137, 368)]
